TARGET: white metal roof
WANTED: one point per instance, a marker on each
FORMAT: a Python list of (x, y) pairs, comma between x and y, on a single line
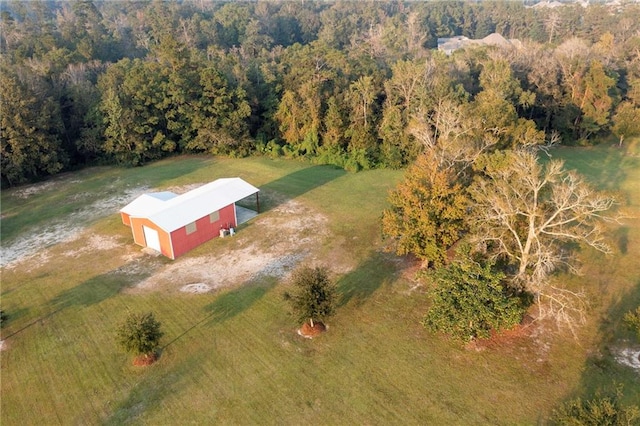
[(175, 212), (147, 204)]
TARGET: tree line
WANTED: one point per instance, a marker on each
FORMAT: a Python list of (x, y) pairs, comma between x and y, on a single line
[(355, 84)]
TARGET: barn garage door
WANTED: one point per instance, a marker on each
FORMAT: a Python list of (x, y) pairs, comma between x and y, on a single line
[(152, 238)]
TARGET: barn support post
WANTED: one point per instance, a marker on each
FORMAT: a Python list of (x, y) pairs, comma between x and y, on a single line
[(258, 201)]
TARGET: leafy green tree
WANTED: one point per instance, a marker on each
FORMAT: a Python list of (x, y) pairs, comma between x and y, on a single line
[(82, 29), (140, 334), (398, 147), (595, 98), (470, 299), (601, 410), (219, 117), (314, 296), (427, 213), (544, 82), (361, 132), (334, 126), (334, 142), (132, 105), (30, 127), (588, 87), (294, 124), (626, 121), (311, 75), (417, 92), (632, 321), (497, 105), (232, 20), (362, 94)]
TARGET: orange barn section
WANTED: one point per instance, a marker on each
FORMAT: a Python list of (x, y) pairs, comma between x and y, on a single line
[(126, 219), (140, 228), (174, 224)]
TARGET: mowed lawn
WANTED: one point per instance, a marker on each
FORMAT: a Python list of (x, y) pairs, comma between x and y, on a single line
[(233, 356)]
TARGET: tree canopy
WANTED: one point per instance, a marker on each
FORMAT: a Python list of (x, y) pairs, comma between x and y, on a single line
[(313, 296), (139, 333), (337, 82), (527, 212), (427, 212)]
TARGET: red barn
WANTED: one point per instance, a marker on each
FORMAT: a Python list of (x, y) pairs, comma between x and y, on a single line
[(174, 224)]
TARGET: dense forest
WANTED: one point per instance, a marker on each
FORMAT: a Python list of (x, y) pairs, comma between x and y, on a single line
[(358, 84)]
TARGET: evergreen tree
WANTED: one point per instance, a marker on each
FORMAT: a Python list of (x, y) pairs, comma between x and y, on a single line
[(314, 296), (140, 334)]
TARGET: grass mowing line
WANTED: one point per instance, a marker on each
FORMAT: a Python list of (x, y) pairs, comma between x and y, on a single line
[(38, 320)]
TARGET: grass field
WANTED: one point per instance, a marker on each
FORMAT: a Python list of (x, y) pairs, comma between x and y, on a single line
[(232, 356)]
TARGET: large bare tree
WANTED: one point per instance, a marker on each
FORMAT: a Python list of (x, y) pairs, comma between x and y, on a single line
[(529, 213)]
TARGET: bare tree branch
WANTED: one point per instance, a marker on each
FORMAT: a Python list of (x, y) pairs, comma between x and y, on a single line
[(529, 213)]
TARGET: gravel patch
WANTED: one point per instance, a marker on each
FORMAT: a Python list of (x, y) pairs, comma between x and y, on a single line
[(293, 231), (195, 288), (628, 355), (29, 246)]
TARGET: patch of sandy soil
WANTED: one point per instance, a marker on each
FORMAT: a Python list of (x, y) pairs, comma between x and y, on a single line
[(195, 288), (292, 231), (31, 246), (29, 190), (94, 242), (628, 355), (309, 332), (273, 244)]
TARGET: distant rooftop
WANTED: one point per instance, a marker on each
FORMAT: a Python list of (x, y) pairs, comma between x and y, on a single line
[(449, 45)]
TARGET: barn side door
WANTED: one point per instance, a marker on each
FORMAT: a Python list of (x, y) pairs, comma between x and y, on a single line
[(152, 238)]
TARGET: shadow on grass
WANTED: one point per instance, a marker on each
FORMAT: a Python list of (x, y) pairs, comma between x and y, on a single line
[(147, 394), (621, 237), (105, 286), (12, 316), (90, 292), (602, 372), (230, 304), (236, 301), (369, 276), (158, 172), (603, 166), (296, 184)]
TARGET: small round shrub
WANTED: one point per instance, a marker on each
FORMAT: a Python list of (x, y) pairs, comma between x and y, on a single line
[(140, 334)]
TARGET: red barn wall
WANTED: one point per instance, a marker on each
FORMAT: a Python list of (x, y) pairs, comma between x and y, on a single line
[(205, 231), (138, 235)]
